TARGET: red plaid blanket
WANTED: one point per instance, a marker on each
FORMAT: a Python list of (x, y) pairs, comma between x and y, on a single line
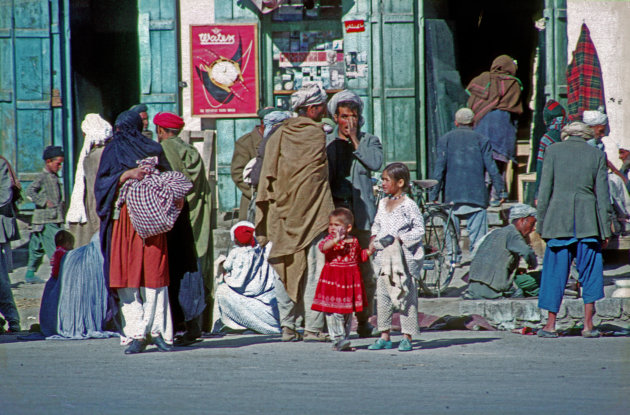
[(584, 78), (151, 201)]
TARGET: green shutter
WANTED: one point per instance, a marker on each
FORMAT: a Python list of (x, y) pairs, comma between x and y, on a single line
[(159, 59), (398, 81)]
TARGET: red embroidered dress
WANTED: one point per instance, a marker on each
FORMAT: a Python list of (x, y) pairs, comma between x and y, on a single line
[(340, 289)]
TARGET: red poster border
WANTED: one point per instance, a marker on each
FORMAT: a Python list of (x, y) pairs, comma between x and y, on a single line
[(194, 80)]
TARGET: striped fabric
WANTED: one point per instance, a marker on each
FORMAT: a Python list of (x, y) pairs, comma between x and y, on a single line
[(584, 78), (151, 201)]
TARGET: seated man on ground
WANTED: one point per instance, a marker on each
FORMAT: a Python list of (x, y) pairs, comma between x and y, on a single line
[(245, 297), (492, 271)]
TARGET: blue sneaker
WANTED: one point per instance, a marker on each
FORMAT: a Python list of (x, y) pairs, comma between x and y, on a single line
[(404, 345), (380, 344)]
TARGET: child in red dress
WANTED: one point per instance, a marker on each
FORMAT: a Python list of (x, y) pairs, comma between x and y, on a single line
[(340, 291), (64, 241)]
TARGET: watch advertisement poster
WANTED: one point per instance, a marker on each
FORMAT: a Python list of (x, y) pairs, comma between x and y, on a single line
[(224, 70)]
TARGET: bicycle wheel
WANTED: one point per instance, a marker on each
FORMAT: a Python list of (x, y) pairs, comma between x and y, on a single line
[(440, 249)]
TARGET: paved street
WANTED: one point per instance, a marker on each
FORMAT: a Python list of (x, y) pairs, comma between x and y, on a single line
[(456, 372)]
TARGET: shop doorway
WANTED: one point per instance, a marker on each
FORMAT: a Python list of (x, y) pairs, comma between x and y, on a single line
[(104, 50), (462, 37)]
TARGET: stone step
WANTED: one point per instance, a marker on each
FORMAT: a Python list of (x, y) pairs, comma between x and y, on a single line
[(512, 313)]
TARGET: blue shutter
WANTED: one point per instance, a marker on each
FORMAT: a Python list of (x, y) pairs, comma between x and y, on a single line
[(159, 61), (32, 99)]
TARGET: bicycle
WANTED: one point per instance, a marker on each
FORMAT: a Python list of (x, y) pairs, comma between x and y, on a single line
[(441, 241)]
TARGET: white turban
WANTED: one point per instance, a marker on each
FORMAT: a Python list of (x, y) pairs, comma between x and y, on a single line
[(307, 96), (96, 131), (593, 118), (346, 96), (577, 129), (521, 210)]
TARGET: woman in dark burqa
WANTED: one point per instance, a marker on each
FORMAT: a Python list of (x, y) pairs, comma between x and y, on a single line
[(133, 266)]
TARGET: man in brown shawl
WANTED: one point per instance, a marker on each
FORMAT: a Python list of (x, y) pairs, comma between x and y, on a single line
[(495, 98), (292, 208)]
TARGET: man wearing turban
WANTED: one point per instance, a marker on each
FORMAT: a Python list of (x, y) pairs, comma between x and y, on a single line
[(492, 270), (292, 208), (574, 219), (185, 158), (619, 196), (352, 157)]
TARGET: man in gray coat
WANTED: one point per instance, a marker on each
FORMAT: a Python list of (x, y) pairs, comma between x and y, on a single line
[(574, 217), (463, 158), (352, 157), (492, 271)]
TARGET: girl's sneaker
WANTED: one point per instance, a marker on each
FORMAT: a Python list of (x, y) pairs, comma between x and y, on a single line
[(404, 346), (380, 344)]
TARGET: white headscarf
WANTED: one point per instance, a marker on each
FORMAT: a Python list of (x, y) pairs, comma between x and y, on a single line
[(307, 96), (594, 118), (96, 131)]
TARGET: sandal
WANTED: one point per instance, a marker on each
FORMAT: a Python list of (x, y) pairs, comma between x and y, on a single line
[(547, 334), (591, 334), (290, 335)]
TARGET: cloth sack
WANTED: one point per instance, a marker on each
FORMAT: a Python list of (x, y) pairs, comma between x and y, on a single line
[(395, 274), (151, 201)]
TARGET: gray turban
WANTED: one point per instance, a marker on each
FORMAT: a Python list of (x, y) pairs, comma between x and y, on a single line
[(271, 119), (594, 118), (307, 96), (577, 129), (346, 96), (521, 210)]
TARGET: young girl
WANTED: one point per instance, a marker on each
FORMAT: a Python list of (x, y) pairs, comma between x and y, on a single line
[(340, 290), (397, 238), (64, 242)]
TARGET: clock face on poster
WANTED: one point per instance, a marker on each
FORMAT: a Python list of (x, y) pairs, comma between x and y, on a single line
[(224, 73)]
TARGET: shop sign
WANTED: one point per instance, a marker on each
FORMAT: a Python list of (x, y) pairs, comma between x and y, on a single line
[(353, 26), (224, 70)]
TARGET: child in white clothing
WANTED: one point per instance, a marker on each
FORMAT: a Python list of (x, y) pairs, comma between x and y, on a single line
[(397, 235)]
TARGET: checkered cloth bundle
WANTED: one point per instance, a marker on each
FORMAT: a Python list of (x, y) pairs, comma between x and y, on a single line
[(151, 201), (584, 78)]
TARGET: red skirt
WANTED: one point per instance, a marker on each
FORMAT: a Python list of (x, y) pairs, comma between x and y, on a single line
[(134, 262), (340, 290)]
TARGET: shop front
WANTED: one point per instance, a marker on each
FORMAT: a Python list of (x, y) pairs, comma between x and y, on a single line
[(371, 47)]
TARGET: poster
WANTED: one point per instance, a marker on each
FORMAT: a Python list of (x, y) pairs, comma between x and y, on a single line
[(224, 72)]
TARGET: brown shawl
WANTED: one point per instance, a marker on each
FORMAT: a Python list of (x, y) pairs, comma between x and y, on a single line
[(294, 199), (498, 89)]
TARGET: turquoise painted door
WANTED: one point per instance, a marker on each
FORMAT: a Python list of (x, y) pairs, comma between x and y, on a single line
[(32, 90), (398, 82), (159, 59)]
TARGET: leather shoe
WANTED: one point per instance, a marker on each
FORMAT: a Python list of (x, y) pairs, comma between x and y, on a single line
[(136, 346), (161, 344)]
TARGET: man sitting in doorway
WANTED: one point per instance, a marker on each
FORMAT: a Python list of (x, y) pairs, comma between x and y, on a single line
[(492, 271)]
